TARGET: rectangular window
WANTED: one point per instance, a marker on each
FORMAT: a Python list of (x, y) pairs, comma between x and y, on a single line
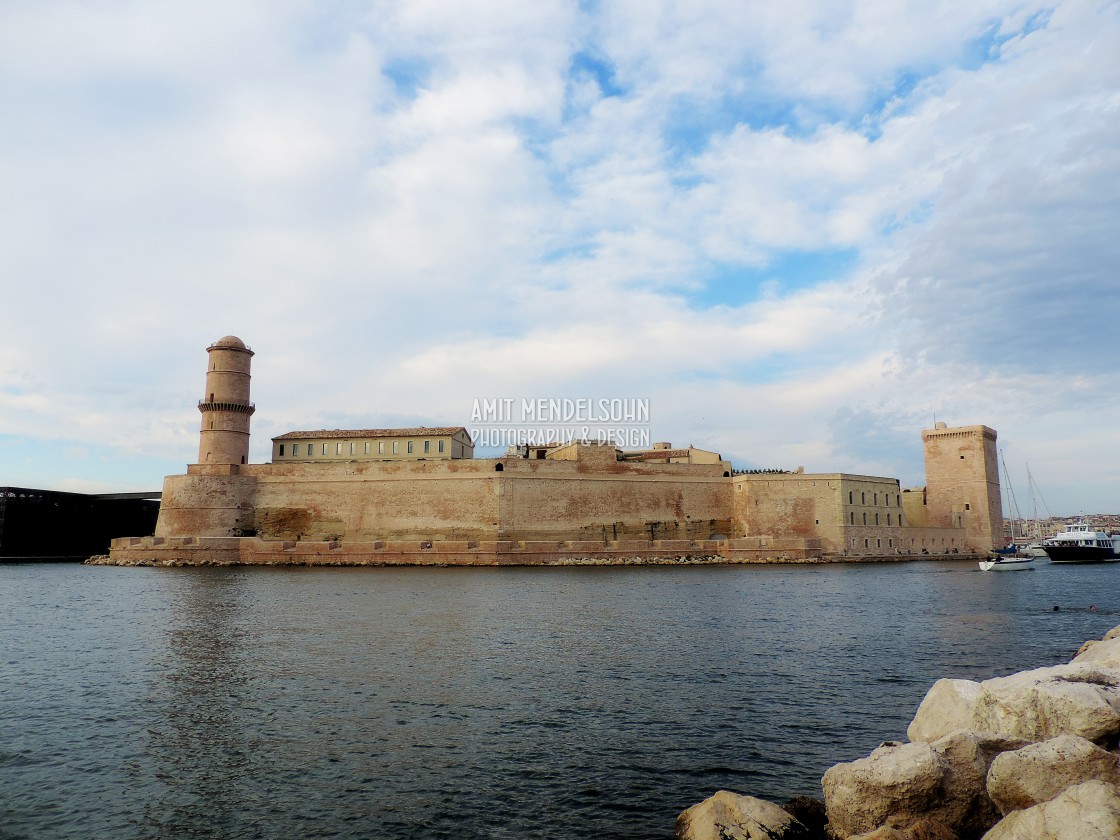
[(351, 448), (367, 447), (281, 450), (338, 448), (396, 447), (441, 445), (381, 447), (324, 449), (410, 447), (427, 446)]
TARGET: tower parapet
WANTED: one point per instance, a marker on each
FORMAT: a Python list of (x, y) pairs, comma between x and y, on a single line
[(225, 408)]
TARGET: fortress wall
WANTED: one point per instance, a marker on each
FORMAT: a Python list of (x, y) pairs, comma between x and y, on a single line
[(419, 500), (565, 500), (207, 502), (206, 551), (789, 504), (448, 500)]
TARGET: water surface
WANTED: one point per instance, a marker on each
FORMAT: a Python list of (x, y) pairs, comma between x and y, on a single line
[(481, 703)]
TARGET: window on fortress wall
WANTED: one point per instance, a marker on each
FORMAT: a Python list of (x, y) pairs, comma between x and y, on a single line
[(441, 447), (853, 518), (888, 519), (876, 519), (850, 494), (898, 500), (863, 498), (967, 506), (875, 499), (410, 447), (865, 519)]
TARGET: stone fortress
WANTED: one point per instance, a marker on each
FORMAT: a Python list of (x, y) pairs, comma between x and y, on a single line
[(418, 496)]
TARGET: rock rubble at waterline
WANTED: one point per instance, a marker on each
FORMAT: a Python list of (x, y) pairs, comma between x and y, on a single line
[(1028, 756)]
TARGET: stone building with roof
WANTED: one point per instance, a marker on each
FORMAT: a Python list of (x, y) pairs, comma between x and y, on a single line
[(412, 444)]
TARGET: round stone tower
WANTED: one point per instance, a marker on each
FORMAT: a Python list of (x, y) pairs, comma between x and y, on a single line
[(226, 408)]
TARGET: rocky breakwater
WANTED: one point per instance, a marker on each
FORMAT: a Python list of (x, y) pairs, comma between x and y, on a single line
[(1032, 755)]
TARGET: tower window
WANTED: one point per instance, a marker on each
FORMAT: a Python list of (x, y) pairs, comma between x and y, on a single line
[(967, 506)]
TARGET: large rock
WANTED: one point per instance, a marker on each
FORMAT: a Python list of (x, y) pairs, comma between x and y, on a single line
[(1105, 653), (922, 829), (948, 706), (1089, 811), (1081, 698), (899, 784), (1036, 773), (730, 816)]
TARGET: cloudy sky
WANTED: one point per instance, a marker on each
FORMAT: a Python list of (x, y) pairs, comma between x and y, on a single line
[(803, 230)]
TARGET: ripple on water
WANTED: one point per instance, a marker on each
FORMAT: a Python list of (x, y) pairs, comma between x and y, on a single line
[(488, 703)]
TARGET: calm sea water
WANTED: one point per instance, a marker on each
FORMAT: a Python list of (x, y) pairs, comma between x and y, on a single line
[(480, 703)]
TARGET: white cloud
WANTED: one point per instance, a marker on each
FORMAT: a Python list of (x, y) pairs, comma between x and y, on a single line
[(404, 207)]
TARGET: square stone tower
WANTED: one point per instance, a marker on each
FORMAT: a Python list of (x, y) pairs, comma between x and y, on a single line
[(962, 483)]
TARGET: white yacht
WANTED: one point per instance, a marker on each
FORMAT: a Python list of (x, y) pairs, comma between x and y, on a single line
[(1082, 543)]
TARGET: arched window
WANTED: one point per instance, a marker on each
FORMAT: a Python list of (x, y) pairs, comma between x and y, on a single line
[(853, 517), (849, 497), (499, 467)]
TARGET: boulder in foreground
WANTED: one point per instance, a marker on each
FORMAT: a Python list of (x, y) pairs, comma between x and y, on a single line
[(730, 816)]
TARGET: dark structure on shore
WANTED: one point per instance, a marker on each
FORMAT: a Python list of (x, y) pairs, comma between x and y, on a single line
[(42, 525)]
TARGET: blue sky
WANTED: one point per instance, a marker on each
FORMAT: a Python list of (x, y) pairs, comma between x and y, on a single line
[(803, 232)]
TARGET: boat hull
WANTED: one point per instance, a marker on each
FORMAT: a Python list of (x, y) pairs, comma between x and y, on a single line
[(1011, 564), (1071, 554)]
